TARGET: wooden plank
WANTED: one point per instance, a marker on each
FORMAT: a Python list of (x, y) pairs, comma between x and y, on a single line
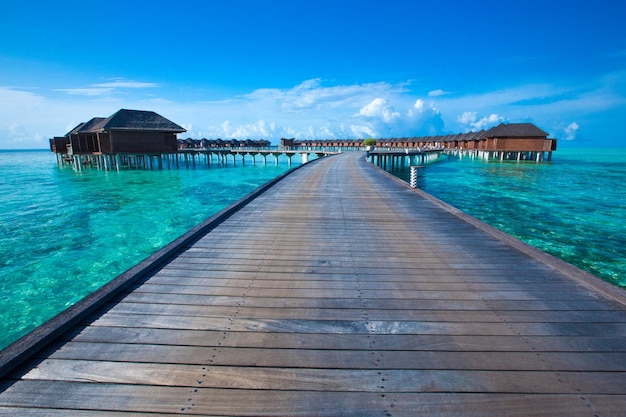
[(50, 412), (291, 281), (337, 262), (170, 305), (345, 359), (331, 294), (339, 380), (349, 341), (374, 304), (372, 294), (318, 268), (362, 327), (443, 273), (229, 252), (174, 400)]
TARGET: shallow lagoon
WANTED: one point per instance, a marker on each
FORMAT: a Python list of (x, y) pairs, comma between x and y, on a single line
[(64, 234), (573, 207)]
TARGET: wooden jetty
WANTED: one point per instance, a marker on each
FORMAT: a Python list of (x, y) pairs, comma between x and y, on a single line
[(393, 158), (340, 292), (222, 156), (188, 158)]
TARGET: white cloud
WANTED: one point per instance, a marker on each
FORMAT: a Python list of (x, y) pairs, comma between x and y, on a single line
[(311, 96), (419, 105), (470, 120), (382, 120), (308, 110), (379, 108), (361, 131), (258, 129), (546, 105), (87, 91), (423, 120), (311, 109), (17, 109), (16, 135), (488, 121), (467, 118), (107, 88), (120, 83), (571, 130), (437, 93), (29, 116)]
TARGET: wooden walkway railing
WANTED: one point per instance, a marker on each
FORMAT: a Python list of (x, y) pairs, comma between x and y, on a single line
[(339, 291)]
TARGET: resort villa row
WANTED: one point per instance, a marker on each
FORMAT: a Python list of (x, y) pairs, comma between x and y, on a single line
[(139, 132), (512, 137)]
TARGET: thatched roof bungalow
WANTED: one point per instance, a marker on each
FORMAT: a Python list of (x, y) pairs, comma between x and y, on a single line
[(517, 137), (124, 132)]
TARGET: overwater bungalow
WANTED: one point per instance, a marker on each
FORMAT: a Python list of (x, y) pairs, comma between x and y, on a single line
[(518, 137), (126, 132), (505, 141), (235, 144)]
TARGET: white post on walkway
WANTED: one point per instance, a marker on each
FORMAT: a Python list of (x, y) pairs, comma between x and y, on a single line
[(415, 174)]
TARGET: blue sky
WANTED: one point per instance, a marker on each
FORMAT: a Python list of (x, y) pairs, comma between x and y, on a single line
[(316, 69)]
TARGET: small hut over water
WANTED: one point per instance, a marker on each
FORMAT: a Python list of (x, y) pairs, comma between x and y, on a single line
[(126, 132), (513, 137), (505, 141)]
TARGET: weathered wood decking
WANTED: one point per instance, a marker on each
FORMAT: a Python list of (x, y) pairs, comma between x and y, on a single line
[(340, 291)]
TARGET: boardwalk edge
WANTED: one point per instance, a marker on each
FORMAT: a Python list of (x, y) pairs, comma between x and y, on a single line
[(24, 348), (578, 275)]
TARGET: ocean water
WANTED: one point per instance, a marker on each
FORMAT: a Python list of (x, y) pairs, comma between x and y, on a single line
[(573, 207), (65, 234)]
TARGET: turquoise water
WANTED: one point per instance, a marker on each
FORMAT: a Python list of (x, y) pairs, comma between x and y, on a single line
[(64, 234), (573, 207)]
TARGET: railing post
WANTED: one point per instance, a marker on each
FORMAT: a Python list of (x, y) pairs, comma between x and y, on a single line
[(416, 171)]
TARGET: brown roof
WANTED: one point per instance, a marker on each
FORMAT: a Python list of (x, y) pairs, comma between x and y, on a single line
[(129, 120), (469, 136), (140, 120), (76, 129), (515, 130), (93, 125)]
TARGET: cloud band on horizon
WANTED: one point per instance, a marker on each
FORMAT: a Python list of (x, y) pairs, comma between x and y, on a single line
[(312, 109)]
